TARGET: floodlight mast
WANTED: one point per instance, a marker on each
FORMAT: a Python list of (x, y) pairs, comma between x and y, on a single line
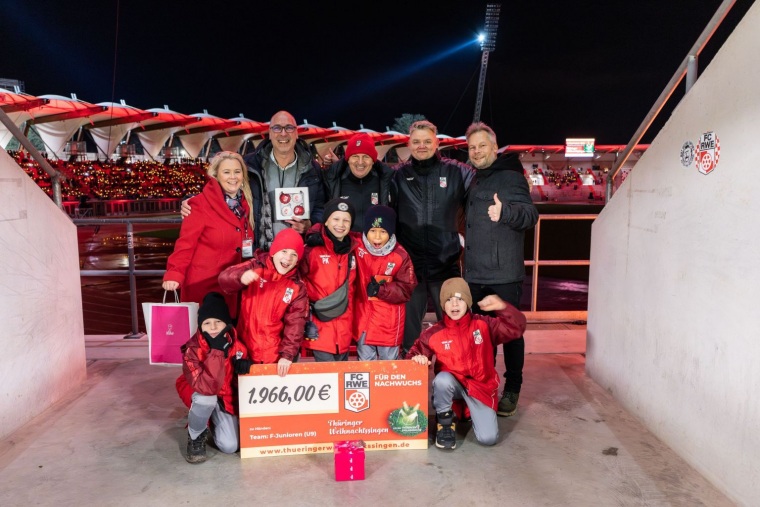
[(487, 44)]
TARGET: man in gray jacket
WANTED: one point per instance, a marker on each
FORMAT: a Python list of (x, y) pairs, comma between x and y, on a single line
[(498, 212)]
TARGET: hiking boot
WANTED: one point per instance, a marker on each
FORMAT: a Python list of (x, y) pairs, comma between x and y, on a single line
[(508, 404), (196, 448), (446, 437)]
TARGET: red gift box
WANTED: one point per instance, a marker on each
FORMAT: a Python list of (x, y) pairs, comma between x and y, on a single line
[(349, 460)]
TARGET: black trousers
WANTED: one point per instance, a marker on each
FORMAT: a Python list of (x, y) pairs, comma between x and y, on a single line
[(514, 351), (416, 308)]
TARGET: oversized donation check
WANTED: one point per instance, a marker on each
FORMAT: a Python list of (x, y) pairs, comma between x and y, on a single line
[(384, 403)]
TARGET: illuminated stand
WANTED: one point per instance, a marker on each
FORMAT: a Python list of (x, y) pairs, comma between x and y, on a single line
[(487, 44)]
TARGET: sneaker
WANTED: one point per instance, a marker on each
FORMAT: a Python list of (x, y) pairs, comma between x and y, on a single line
[(196, 448), (508, 404), (446, 437)]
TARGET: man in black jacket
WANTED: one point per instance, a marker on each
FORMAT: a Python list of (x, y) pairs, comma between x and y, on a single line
[(359, 177), (499, 211), (428, 192)]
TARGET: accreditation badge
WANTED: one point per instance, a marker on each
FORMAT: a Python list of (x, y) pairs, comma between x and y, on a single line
[(247, 248)]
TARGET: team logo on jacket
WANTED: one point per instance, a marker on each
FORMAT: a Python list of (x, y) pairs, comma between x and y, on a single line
[(356, 389), (374, 199), (262, 281), (325, 259), (361, 252), (288, 297), (389, 268), (239, 354), (442, 182), (478, 337), (447, 344)]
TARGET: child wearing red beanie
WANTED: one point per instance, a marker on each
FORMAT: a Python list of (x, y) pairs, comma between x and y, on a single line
[(274, 304)]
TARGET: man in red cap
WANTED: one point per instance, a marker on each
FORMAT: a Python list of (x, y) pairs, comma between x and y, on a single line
[(360, 178)]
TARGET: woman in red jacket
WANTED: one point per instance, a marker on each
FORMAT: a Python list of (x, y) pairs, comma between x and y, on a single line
[(386, 282), (329, 268), (218, 234)]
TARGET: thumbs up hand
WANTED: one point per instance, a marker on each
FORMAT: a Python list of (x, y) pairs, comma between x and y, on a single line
[(494, 211)]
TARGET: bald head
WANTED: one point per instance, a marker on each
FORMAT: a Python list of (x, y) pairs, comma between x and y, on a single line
[(283, 142)]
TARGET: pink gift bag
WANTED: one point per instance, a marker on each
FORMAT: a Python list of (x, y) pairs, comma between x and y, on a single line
[(169, 326)]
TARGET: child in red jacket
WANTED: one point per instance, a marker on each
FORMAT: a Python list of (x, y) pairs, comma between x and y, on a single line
[(386, 282), (463, 345), (208, 383), (274, 305), (329, 270)]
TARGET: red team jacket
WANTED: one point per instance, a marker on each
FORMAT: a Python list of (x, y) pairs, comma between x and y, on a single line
[(209, 372), (464, 348), (323, 271), (273, 309), (382, 317)]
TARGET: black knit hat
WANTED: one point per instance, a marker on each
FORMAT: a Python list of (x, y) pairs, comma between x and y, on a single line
[(381, 217), (334, 205), (214, 307)]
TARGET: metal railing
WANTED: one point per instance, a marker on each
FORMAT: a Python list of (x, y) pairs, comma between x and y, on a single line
[(687, 68), (536, 263), (130, 271)]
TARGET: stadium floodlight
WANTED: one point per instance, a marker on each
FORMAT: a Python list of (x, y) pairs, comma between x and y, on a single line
[(487, 44)]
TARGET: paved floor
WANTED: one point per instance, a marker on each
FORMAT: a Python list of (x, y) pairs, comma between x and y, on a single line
[(117, 441)]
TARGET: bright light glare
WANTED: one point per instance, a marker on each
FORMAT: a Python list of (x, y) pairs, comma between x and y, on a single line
[(481, 38)]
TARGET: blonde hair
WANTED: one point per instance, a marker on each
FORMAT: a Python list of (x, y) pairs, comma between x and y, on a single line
[(479, 126), (423, 124), (213, 171)]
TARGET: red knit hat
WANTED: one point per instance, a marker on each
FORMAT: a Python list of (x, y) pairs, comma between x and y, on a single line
[(287, 238), (361, 143)]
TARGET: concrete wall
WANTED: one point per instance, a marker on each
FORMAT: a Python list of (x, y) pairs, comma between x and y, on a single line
[(674, 289), (43, 354)]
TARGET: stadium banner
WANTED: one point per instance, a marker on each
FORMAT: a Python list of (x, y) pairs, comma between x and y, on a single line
[(383, 403)]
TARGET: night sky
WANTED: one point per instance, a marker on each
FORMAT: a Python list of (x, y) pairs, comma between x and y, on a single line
[(560, 69)]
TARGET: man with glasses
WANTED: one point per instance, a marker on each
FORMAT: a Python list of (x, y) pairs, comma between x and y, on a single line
[(283, 161), (499, 211), (428, 192)]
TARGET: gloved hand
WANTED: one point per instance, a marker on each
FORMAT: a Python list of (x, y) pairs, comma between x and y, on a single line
[(314, 239), (373, 288), (219, 342), (242, 366), (310, 331)]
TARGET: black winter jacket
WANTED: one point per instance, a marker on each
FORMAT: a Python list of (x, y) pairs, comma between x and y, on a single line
[(494, 250), (310, 176), (374, 188), (429, 197)]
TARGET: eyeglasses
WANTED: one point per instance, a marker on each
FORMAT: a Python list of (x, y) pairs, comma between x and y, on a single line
[(279, 128)]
